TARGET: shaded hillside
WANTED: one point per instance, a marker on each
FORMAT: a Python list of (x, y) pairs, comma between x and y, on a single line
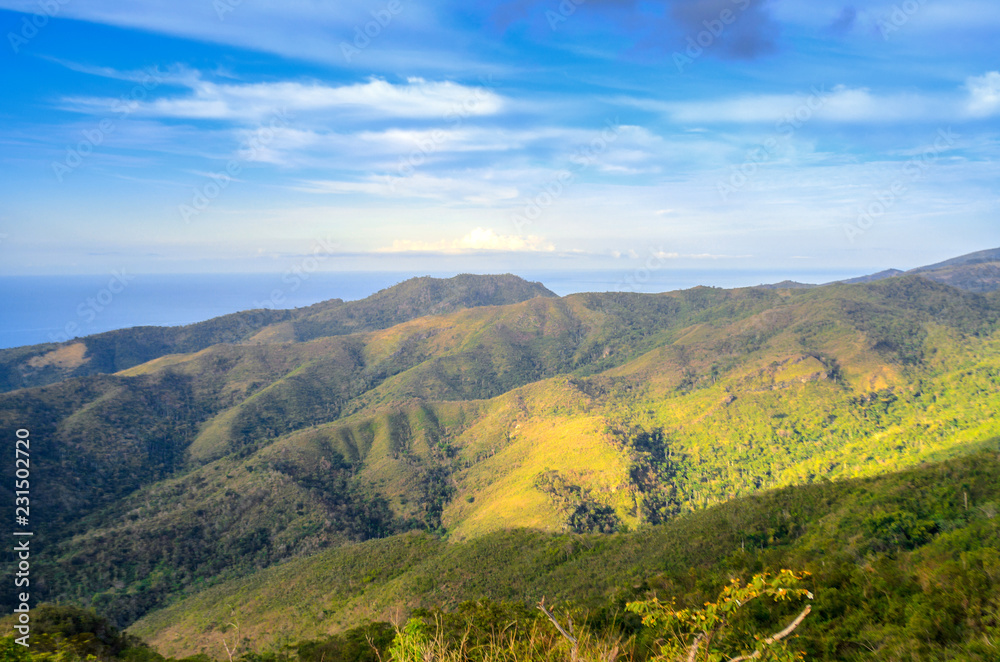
[(904, 564), (112, 351), (593, 412)]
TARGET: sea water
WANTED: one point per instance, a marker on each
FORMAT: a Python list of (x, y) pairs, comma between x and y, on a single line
[(37, 309)]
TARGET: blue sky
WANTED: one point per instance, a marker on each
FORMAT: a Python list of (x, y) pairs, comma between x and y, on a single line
[(234, 135)]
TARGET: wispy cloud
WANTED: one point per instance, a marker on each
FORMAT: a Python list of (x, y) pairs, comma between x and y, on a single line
[(404, 139), (467, 189), (479, 240), (984, 94), (979, 97), (663, 255), (249, 102)]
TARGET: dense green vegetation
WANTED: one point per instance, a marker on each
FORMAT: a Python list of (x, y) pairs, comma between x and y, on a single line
[(69, 633), (193, 469), (370, 457), (906, 564), (583, 514)]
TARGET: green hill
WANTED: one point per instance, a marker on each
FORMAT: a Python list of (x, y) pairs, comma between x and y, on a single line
[(438, 417), (38, 365)]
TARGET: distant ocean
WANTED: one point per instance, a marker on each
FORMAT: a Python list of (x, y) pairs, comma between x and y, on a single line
[(37, 309)]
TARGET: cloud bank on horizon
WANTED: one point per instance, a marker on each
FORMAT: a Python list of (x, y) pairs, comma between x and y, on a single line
[(231, 135)]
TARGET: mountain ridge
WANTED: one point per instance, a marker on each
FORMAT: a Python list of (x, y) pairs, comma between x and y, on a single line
[(113, 351), (589, 412), (978, 257), (973, 272)]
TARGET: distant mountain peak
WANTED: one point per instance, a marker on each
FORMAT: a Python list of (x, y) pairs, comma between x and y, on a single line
[(974, 272), (787, 285), (430, 295), (871, 278), (979, 257), (508, 287)]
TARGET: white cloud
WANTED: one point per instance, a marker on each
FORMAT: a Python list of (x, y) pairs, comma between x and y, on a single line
[(472, 188), (392, 150), (841, 104), (663, 255), (252, 102), (479, 240), (984, 94)]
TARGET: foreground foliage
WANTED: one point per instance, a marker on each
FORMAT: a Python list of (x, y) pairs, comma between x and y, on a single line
[(904, 566), (718, 630)]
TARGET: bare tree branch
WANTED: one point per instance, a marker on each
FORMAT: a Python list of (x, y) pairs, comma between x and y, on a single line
[(563, 632), (230, 652), (776, 637), (693, 651), (541, 605)]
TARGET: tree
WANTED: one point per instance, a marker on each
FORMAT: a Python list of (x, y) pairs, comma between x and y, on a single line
[(709, 634)]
